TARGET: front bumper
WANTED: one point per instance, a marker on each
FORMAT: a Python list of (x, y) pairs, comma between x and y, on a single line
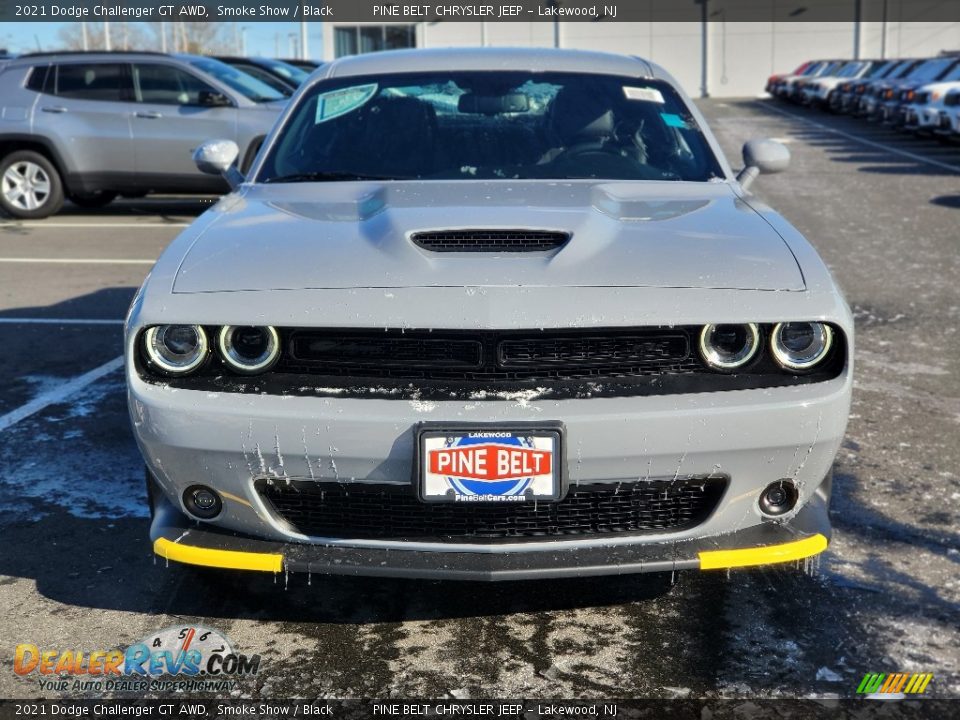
[(921, 118), (176, 538), (948, 124)]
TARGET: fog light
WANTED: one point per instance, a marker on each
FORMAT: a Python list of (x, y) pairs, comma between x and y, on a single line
[(778, 498), (202, 502)]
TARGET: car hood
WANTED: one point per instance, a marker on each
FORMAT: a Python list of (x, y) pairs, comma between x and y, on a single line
[(357, 235)]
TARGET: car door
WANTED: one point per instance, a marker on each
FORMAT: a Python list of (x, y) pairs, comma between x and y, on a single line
[(176, 111), (85, 109)]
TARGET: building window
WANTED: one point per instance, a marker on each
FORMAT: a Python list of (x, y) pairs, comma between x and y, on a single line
[(356, 39)]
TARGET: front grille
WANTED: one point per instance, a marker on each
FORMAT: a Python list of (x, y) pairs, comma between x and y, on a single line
[(626, 350), (357, 511), (489, 356), (952, 100), (487, 241), (519, 365), (363, 351)]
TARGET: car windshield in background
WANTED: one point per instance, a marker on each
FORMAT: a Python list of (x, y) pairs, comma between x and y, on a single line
[(285, 70), (850, 69), (953, 75), (493, 125), (931, 69), (881, 70), (246, 85)]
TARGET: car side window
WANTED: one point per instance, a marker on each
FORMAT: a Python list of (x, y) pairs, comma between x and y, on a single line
[(91, 81), (38, 78), (167, 85)]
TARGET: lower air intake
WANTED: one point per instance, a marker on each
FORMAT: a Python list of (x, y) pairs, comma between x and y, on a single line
[(359, 511)]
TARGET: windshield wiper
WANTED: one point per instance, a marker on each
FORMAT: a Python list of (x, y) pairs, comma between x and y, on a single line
[(325, 177)]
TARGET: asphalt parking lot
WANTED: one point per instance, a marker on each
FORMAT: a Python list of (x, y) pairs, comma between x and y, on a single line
[(76, 568)]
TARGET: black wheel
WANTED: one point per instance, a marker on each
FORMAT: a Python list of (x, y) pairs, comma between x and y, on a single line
[(97, 199), (30, 186)]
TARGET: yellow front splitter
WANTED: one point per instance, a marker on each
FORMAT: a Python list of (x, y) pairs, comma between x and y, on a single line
[(709, 559), (765, 555), (209, 557)]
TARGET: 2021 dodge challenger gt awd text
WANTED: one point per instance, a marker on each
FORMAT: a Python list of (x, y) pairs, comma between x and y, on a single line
[(489, 314)]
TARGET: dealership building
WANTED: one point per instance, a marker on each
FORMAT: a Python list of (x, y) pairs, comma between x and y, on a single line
[(715, 57)]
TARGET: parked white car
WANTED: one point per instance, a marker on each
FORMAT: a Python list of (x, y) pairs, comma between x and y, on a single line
[(949, 120), (817, 91), (924, 108)]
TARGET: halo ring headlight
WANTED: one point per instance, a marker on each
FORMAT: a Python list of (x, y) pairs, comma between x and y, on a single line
[(175, 349), (800, 345), (249, 350), (729, 346)]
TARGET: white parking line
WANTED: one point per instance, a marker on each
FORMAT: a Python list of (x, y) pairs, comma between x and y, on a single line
[(863, 141), (41, 224), (78, 261), (57, 321), (59, 394)]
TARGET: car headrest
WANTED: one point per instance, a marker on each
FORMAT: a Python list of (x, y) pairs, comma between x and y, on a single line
[(579, 115)]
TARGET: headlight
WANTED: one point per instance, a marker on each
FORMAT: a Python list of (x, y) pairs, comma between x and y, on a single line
[(249, 350), (801, 345), (727, 347), (175, 349)]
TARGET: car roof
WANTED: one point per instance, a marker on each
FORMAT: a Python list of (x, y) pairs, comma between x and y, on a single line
[(91, 56), (506, 59)]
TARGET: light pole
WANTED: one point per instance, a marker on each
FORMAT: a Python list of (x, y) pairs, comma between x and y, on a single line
[(293, 44), (304, 41), (83, 33), (243, 41), (106, 36), (553, 4)]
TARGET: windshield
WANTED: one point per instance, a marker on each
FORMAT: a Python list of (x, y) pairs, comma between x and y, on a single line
[(288, 72), (850, 70), (245, 84), (509, 125), (953, 75), (930, 69), (879, 70)]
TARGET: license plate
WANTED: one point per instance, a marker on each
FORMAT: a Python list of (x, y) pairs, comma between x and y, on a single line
[(489, 464)]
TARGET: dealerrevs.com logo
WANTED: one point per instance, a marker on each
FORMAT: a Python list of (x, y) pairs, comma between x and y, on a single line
[(894, 683), (190, 658)]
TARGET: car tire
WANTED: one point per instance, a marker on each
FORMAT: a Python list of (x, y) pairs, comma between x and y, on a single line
[(96, 199), (30, 186)]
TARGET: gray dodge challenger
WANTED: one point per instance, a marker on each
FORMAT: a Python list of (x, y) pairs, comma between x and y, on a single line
[(489, 314)]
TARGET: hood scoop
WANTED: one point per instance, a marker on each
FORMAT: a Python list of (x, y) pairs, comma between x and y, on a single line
[(489, 241)]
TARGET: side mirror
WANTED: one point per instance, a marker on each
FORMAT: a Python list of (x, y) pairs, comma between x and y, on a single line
[(219, 157), (762, 156), (210, 98)]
